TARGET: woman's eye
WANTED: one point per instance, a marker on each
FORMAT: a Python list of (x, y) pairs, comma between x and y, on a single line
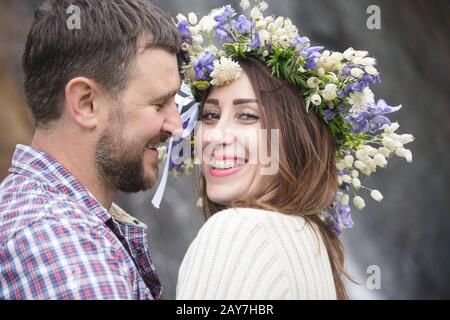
[(248, 117), (210, 116)]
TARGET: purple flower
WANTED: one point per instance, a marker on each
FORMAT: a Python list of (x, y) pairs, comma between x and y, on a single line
[(358, 122), (255, 42), (344, 213), (226, 13), (329, 114), (222, 32), (186, 34), (241, 24), (382, 108), (377, 122), (204, 65), (301, 41), (311, 53)]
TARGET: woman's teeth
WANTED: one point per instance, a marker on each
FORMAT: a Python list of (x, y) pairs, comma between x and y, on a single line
[(224, 164)]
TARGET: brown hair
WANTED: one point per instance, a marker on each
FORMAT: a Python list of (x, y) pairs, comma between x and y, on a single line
[(306, 183), (103, 49)]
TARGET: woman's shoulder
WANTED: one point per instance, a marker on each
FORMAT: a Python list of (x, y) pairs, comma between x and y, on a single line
[(255, 217)]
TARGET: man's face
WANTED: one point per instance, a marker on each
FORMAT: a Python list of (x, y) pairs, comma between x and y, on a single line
[(145, 115)]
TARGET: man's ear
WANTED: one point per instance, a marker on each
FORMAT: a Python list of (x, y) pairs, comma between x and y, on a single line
[(80, 96)]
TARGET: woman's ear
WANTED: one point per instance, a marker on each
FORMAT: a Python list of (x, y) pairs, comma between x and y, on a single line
[(80, 95)]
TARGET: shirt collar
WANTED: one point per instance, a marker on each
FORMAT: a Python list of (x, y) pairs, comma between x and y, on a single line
[(39, 165)]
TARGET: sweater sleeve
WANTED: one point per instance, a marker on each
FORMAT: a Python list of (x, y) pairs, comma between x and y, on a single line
[(240, 254)]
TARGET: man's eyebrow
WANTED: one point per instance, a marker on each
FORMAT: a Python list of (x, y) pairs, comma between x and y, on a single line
[(162, 99), (242, 101)]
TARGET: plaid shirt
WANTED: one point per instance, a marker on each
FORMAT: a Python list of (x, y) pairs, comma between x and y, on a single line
[(58, 242)]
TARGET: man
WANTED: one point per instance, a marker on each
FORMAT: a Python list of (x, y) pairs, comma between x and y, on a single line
[(102, 96)]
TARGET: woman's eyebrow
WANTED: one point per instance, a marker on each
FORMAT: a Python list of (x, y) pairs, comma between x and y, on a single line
[(212, 101), (235, 101), (241, 101)]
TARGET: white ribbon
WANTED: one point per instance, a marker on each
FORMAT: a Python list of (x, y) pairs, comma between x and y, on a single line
[(182, 100)]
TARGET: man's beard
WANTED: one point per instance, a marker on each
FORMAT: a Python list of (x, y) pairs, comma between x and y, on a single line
[(120, 165)]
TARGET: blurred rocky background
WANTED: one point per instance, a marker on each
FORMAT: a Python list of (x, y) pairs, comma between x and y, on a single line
[(408, 234)]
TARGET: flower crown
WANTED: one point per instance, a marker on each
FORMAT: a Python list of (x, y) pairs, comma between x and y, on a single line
[(335, 85)]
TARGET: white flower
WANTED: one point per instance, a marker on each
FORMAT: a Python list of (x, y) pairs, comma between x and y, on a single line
[(406, 138), (371, 151), (279, 22), (332, 77), (391, 144), (361, 54), (360, 100), (263, 6), (359, 202), (368, 61), (359, 165), (340, 166), (256, 14), (313, 82), (180, 17), (349, 54), (357, 72), (404, 153), (346, 178), (245, 4), (384, 151), (271, 28), (192, 18), (354, 174), (329, 92), (348, 161), (264, 37), (376, 195), (316, 99), (371, 70), (344, 200), (390, 128), (225, 71), (260, 25), (207, 23), (380, 160), (197, 39), (362, 154), (366, 171), (356, 183)]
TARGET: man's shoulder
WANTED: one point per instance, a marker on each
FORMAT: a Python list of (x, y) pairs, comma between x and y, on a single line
[(26, 202)]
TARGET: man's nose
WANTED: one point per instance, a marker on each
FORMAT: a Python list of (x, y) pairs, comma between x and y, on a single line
[(172, 124)]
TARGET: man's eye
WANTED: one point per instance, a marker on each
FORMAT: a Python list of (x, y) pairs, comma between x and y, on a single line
[(248, 117), (210, 116)]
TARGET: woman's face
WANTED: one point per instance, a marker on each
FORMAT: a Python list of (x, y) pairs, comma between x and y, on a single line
[(231, 140)]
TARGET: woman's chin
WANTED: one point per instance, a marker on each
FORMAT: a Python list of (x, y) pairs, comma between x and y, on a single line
[(222, 196)]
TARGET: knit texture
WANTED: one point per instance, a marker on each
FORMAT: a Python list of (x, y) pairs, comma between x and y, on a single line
[(249, 253)]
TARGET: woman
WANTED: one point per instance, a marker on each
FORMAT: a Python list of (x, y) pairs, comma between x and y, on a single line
[(271, 244), (273, 234)]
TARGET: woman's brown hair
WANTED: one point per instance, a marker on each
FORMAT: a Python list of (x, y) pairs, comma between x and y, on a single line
[(306, 183)]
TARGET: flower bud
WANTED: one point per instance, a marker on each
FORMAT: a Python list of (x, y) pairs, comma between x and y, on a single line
[(344, 199), (376, 195), (356, 183), (192, 18), (316, 99), (359, 202), (348, 161)]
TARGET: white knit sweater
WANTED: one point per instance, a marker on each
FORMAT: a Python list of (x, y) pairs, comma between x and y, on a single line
[(256, 254)]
